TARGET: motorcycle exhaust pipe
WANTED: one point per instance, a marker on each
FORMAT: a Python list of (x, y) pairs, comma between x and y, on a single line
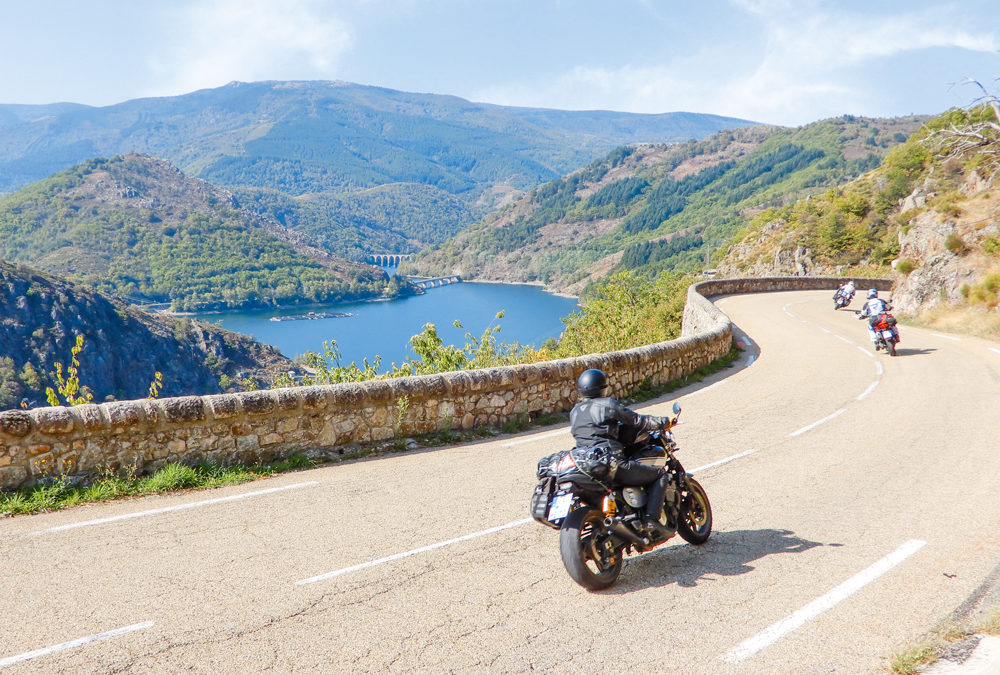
[(618, 528)]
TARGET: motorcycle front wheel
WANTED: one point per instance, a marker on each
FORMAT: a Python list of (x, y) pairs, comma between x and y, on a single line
[(588, 552), (695, 521)]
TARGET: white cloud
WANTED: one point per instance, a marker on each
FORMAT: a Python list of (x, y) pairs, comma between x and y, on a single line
[(801, 61), (218, 41)]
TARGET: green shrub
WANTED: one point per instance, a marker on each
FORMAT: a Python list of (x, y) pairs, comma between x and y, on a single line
[(954, 243), (905, 266)]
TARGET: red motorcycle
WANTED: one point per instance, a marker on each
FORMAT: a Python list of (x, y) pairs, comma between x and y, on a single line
[(886, 332)]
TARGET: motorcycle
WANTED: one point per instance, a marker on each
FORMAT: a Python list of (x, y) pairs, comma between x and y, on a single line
[(841, 299), (599, 522), (886, 332)]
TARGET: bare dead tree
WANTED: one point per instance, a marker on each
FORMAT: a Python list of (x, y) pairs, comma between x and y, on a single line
[(972, 134)]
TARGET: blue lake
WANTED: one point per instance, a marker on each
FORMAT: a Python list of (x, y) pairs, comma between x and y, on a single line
[(384, 328)]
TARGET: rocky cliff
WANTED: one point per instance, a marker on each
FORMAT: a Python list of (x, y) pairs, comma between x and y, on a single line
[(940, 241), (40, 317)]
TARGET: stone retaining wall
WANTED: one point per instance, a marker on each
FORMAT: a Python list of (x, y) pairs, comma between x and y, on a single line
[(326, 420)]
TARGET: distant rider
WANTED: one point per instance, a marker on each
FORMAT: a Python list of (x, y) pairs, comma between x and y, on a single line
[(874, 307), (601, 421), (846, 291)]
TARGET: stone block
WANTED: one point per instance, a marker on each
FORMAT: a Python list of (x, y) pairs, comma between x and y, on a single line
[(91, 416), (183, 409), (15, 423), (257, 402), (57, 420), (315, 398), (223, 406), (288, 399)]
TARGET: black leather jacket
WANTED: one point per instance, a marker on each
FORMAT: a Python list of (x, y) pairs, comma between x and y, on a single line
[(605, 421)]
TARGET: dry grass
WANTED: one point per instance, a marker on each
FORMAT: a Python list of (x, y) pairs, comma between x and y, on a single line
[(964, 320)]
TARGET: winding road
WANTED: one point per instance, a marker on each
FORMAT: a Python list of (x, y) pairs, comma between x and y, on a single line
[(855, 498)]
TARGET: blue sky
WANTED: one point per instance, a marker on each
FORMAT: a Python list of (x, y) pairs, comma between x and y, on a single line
[(785, 62)]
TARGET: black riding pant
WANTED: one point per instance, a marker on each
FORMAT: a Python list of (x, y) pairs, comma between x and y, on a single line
[(634, 473)]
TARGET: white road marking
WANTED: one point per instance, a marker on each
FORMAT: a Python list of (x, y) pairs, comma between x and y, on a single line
[(531, 439), (869, 390), (841, 337), (994, 349), (168, 509), (704, 389), (816, 424), (406, 554), (482, 533), (825, 330), (878, 368), (776, 631), (947, 337), (866, 352), (80, 642), (724, 461)]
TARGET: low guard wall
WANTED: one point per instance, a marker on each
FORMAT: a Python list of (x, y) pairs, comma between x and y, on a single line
[(326, 420)]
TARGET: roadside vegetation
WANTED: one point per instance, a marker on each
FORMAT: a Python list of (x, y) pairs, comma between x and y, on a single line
[(949, 637), (623, 311), (62, 490)]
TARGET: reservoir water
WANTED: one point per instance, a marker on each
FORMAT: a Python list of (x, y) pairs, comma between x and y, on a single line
[(384, 328)]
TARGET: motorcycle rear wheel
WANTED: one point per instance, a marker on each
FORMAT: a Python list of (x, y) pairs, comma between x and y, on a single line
[(589, 555), (695, 522)]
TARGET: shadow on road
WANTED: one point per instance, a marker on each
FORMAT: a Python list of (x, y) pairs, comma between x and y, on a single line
[(725, 554), (913, 352)]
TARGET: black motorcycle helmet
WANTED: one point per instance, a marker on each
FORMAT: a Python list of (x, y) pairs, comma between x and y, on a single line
[(591, 383)]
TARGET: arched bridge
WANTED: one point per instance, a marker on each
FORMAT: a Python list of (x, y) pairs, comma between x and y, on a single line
[(387, 259), (425, 283)]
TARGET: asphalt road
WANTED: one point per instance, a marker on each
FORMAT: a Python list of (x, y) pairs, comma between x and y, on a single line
[(855, 503)]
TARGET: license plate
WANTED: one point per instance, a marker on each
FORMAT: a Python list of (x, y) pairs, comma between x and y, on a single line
[(560, 506), (887, 334)]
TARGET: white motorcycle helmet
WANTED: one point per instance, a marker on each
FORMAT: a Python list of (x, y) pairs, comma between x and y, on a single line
[(872, 293)]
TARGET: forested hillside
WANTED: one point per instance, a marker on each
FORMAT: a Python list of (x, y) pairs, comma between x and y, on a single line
[(402, 218), (929, 216), (328, 142), (123, 347), (653, 208), (137, 227)]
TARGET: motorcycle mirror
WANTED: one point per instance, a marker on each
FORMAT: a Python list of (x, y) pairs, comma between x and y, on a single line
[(677, 408)]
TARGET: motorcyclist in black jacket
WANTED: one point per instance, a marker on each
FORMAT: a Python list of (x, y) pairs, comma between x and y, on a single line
[(599, 420)]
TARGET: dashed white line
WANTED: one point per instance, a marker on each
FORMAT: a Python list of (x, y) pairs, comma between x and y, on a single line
[(72, 644), (878, 368), (816, 424), (866, 352), (724, 461), (169, 509), (869, 390), (947, 337), (406, 554), (778, 630), (475, 535), (841, 337), (994, 350), (531, 439), (704, 389)]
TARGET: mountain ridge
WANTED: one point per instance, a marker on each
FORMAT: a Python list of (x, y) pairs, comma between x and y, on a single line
[(136, 226), (333, 138)]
